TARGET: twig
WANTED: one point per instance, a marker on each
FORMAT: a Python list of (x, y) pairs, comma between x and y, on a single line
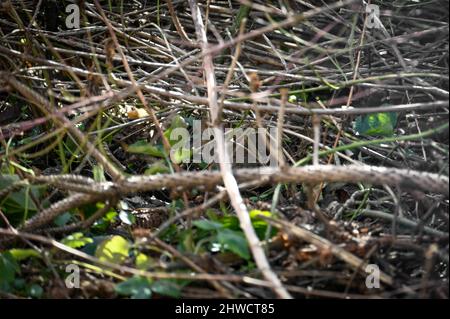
[(225, 167)]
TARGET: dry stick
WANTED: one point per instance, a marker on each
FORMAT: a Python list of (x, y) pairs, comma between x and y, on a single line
[(324, 244), (46, 216), (402, 221), (45, 106), (291, 109), (176, 21), (230, 73), (280, 125), (293, 20), (225, 166), (407, 179), (413, 180), (316, 127)]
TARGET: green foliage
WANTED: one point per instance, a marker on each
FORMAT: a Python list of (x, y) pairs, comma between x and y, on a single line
[(143, 261), (260, 226), (8, 270), (143, 288), (77, 240), (180, 154), (158, 167), (99, 173), (226, 232), (35, 291), (167, 287), (19, 201), (101, 225), (136, 288), (63, 219), (208, 225), (378, 124), (235, 242), (114, 250), (144, 147), (23, 254)]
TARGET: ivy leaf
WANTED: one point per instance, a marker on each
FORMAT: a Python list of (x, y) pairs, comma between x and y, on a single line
[(378, 124), (136, 288), (234, 241), (77, 240), (113, 250)]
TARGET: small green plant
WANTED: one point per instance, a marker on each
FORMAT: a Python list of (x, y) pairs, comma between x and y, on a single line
[(227, 234), (378, 124), (144, 288)]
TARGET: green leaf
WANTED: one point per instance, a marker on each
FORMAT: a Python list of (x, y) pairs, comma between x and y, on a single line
[(23, 254), (260, 225), (101, 225), (8, 269), (99, 173), (208, 225), (144, 262), (63, 219), (234, 241), (143, 147), (158, 167), (77, 240), (136, 287), (167, 288), (20, 199), (35, 291), (230, 222), (378, 124), (113, 250)]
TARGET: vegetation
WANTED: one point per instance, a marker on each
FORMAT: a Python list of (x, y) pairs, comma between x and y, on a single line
[(98, 199)]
